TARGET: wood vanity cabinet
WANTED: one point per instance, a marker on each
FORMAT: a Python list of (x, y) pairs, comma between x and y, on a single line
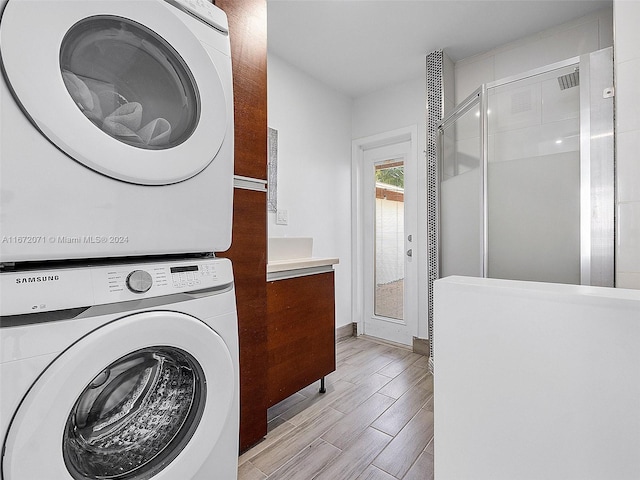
[(300, 332)]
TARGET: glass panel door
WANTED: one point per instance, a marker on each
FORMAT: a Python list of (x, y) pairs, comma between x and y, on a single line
[(460, 198), (389, 240), (533, 178)]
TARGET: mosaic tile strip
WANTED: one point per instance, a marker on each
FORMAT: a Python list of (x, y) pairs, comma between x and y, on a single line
[(435, 111)]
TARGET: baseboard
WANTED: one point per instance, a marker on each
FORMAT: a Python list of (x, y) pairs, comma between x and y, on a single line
[(346, 331), (382, 341), (421, 346)]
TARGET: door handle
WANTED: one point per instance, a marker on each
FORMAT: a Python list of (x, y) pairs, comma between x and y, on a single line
[(410, 252)]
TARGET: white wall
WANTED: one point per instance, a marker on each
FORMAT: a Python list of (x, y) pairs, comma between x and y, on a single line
[(314, 168), (536, 381), (627, 73), (390, 109), (583, 35)]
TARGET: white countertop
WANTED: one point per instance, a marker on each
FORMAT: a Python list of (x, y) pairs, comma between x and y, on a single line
[(291, 257), (299, 263)]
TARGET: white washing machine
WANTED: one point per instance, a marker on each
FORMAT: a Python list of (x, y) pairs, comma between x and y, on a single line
[(124, 371), (117, 129)]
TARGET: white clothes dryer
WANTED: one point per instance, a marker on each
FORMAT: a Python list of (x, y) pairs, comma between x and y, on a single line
[(124, 371), (117, 129)]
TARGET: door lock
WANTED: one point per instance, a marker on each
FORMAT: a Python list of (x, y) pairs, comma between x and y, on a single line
[(410, 252)]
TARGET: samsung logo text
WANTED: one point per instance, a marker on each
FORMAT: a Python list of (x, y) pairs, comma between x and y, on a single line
[(44, 278)]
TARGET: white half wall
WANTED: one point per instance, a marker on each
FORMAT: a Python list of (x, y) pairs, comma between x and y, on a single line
[(536, 381), (314, 168)]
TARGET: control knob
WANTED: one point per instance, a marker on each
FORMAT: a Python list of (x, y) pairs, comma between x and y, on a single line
[(139, 281)]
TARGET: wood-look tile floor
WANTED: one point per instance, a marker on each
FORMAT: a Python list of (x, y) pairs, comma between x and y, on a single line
[(375, 422)]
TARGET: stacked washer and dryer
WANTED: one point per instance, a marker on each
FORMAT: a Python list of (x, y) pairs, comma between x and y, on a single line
[(119, 338)]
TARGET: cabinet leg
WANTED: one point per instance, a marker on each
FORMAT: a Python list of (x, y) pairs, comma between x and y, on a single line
[(322, 387)]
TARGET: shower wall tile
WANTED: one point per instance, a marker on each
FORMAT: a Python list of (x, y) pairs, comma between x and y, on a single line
[(605, 29), (628, 96), (541, 140), (516, 144), (471, 74), (559, 104), (627, 14), (583, 35), (628, 168), (559, 46), (516, 108), (448, 78), (628, 253), (468, 154), (468, 125), (449, 106)]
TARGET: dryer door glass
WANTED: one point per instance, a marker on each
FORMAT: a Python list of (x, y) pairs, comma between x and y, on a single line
[(129, 82), (135, 416)]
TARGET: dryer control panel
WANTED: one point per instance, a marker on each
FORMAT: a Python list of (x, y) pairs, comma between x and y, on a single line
[(36, 291)]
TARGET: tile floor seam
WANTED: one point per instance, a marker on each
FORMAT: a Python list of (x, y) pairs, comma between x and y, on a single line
[(293, 458), (249, 462)]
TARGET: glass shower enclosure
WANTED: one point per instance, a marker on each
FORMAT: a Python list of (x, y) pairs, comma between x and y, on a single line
[(526, 177)]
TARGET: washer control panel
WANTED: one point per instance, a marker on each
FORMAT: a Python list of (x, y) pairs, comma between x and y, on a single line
[(163, 279), (190, 275), (57, 289)]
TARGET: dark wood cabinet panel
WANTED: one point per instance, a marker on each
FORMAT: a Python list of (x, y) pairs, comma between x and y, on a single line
[(300, 332), (248, 252), (248, 35), (248, 255)]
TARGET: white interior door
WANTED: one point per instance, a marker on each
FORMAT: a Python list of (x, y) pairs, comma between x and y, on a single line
[(389, 243)]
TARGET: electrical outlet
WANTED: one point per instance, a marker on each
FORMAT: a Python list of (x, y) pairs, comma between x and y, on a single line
[(282, 217)]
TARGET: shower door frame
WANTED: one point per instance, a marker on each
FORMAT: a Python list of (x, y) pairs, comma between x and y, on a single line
[(597, 163)]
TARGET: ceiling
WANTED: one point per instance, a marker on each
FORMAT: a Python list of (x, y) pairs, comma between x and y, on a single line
[(360, 46)]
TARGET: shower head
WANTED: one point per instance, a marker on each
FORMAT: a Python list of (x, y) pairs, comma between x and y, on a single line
[(569, 80)]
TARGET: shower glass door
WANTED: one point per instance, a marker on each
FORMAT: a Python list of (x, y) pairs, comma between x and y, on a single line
[(533, 178), (460, 199), (526, 177)]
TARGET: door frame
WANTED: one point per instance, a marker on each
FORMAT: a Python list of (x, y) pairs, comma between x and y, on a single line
[(358, 285)]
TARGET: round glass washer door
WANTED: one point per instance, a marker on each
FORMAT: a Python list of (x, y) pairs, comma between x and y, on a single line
[(135, 416), (134, 399), (129, 82), (124, 88)]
